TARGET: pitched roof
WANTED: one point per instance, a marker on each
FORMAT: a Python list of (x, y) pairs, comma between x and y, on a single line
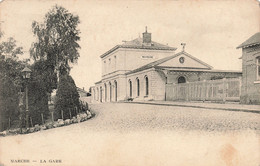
[(253, 40), (138, 44), (160, 61)]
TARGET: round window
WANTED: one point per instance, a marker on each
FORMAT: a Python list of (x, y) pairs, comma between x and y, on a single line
[(181, 59)]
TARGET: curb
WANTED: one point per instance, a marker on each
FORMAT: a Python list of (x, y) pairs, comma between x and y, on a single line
[(204, 107)]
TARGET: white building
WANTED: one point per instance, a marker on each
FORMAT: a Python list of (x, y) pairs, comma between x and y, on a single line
[(140, 69)]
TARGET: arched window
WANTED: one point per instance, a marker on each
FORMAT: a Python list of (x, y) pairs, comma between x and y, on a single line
[(181, 79), (146, 86), (100, 94), (110, 91), (130, 88), (137, 87), (105, 92), (115, 91), (97, 94)]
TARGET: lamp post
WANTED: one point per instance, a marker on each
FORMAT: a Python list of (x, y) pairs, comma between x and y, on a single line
[(26, 73)]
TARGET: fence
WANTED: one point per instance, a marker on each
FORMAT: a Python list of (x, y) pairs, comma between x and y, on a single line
[(207, 90), (40, 118)]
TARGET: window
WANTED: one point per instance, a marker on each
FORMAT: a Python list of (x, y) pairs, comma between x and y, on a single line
[(115, 62), (258, 68), (146, 86), (110, 91), (115, 91), (97, 94), (181, 59), (137, 87), (130, 88), (104, 66), (105, 92), (181, 79), (101, 94), (109, 65)]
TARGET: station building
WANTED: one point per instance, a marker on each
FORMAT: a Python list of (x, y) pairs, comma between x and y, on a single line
[(141, 68)]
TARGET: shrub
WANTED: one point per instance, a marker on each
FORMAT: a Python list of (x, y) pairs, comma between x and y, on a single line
[(67, 98)]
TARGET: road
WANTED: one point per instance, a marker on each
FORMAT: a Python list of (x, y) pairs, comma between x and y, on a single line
[(141, 117), (136, 135)]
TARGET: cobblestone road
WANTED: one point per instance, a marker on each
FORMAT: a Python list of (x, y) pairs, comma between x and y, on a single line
[(127, 116), (137, 135)]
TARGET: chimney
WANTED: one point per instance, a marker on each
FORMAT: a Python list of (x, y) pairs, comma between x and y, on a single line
[(147, 37)]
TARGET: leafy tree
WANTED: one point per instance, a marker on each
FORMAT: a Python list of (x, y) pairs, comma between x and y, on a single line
[(57, 39), (10, 81), (56, 47), (38, 91), (67, 97)]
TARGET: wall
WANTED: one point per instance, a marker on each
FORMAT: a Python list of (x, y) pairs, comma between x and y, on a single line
[(136, 58), (156, 84), (172, 76), (250, 86), (129, 59)]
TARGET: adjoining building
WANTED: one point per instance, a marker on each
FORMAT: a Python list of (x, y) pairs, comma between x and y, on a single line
[(141, 68), (250, 92)]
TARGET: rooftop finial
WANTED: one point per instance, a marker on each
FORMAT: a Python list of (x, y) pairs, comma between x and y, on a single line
[(146, 29), (183, 46)]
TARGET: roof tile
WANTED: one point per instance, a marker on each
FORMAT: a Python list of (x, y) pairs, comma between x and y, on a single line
[(138, 44), (253, 40)]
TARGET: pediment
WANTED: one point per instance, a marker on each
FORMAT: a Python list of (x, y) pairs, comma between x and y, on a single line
[(185, 60)]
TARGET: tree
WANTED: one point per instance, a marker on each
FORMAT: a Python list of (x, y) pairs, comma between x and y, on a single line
[(57, 39), (10, 81), (67, 97), (38, 91)]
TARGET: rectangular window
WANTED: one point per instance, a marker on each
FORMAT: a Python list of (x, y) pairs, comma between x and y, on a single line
[(115, 62), (104, 66)]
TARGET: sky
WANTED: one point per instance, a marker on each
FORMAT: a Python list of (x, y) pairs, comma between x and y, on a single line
[(211, 29)]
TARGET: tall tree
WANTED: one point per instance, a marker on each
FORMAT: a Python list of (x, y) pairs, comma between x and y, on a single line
[(57, 39), (10, 81), (38, 92)]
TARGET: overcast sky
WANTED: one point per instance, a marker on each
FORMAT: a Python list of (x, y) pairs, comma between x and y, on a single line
[(211, 29)]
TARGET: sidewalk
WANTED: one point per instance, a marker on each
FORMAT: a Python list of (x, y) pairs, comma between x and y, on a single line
[(207, 105)]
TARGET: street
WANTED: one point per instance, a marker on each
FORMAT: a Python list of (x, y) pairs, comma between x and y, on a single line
[(137, 135)]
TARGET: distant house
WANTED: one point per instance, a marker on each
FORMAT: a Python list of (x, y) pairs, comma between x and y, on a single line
[(250, 92), (83, 93)]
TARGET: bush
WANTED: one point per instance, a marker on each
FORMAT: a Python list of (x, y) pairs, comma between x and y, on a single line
[(67, 98)]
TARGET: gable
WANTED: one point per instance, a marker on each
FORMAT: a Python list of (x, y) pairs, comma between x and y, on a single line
[(185, 61)]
